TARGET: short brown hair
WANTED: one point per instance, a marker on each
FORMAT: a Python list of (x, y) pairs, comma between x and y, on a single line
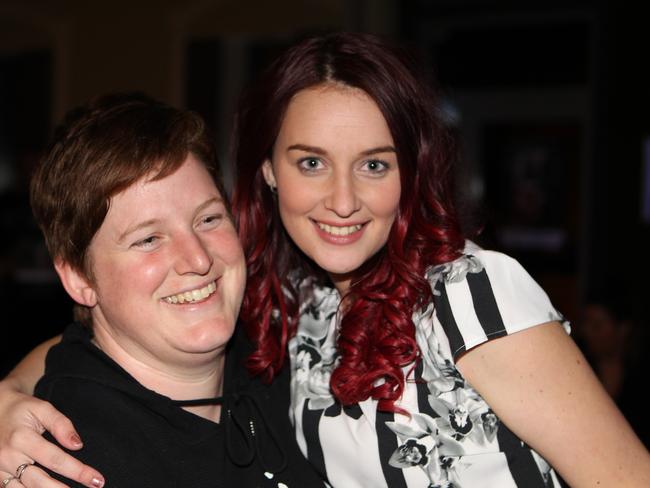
[(101, 149)]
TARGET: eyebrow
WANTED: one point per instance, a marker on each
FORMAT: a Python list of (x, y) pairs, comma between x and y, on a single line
[(135, 228), (149, 222), (305, 148), (378, 150), (323, 152)]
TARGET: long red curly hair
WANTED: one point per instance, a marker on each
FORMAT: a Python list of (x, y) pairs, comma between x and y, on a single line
[(377, 335)]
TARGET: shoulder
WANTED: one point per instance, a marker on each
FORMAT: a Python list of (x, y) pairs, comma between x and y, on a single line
[(91, 406), (107, 426), (482, 276), (93, 391), (137, 439), (475, 260), (484, 295)]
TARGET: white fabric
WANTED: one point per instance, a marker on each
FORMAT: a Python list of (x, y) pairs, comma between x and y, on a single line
[(452, 437)]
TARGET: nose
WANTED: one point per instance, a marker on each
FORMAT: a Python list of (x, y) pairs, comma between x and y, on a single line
[(342, 196), (193, 256)]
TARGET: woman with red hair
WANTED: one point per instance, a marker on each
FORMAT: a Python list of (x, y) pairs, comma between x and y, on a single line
[(417, 359)]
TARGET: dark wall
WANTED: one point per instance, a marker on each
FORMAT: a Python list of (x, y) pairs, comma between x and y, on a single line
[(597, 45)]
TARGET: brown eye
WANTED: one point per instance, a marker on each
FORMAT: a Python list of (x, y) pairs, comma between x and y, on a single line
[(210, 221)]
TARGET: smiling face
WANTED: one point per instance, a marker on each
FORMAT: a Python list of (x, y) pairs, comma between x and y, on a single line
[(168, 271), (337, 177)]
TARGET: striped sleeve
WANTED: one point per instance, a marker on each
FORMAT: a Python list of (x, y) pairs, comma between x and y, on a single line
[(491, 296)]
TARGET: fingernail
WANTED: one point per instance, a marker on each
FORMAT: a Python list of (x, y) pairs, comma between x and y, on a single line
[(76, 440), (97, 482)]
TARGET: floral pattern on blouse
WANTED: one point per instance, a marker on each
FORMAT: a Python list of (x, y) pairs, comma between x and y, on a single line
[(462, 415), (314, 349), (440, 442)]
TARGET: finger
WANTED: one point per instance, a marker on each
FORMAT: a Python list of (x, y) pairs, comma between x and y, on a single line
[(31, 476), (46, 417), (9, 481), (35, 477), (55, 459)]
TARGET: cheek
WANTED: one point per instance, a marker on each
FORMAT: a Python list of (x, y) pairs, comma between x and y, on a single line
[(294, 210), (131, 278), (301, 199), (233, 255), (225, 245), (385, 203)]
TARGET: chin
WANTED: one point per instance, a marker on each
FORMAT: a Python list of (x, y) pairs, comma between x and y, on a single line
[(340, 264), (337, 268), (209, 335)]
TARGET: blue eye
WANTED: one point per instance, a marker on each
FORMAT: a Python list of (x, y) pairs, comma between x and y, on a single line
[(310, 164), (375, 166)]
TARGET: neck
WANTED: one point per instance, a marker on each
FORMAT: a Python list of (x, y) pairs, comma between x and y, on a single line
[(341, 282), (198, 376)]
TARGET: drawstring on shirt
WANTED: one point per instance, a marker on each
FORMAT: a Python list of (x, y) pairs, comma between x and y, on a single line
[(243, 412)]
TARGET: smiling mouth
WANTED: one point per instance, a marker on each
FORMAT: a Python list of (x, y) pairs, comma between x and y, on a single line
[(192, 296), (343, 230)]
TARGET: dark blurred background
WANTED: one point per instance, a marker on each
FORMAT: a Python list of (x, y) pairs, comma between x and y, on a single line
[(550, 100)]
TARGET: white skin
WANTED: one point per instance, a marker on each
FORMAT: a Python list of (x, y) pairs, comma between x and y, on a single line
[(161, 240), (337, 177), (536, 380)]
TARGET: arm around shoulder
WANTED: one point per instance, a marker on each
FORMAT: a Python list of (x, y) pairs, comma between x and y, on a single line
[(539, 383), (25, 418)]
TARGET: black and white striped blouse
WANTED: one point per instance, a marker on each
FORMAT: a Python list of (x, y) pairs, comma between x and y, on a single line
[(452, 438)]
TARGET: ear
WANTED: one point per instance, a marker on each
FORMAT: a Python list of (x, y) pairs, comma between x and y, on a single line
[(76, 284), (269, 177)]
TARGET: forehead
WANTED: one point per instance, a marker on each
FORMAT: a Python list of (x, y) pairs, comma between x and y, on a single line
[(335, 108), (192, 172), (176, 194)]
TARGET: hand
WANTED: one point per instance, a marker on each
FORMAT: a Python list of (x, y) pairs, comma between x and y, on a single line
[(24, 419)]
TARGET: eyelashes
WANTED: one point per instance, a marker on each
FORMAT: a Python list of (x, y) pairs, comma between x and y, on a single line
[(310, 164), (146, 243), (372, 167), (203, 224)]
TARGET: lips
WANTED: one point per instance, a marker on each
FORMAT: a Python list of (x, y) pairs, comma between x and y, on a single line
[(192, 296)]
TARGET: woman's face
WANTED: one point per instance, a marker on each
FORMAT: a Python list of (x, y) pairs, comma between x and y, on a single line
[(168, 269), (337, 176)]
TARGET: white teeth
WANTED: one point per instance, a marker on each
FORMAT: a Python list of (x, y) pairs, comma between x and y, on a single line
[(345, 230), (192, 295)]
